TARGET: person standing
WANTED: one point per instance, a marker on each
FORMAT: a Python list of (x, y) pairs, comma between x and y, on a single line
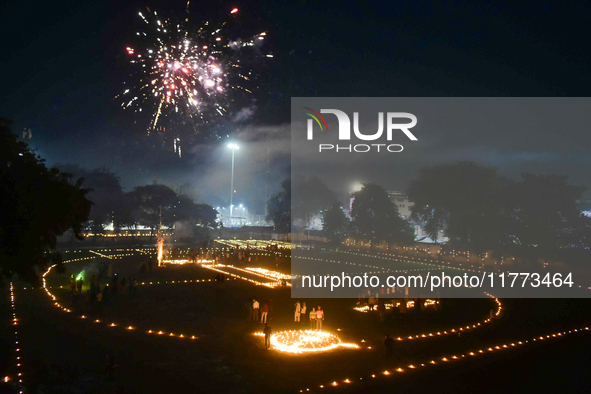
[(267, 332), (304, 308), (264, 312), (297, 312), (313, 319), (73, 285), (255, 310), (319, 318)]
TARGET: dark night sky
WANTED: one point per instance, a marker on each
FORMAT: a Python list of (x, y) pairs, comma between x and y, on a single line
[(63, 62)]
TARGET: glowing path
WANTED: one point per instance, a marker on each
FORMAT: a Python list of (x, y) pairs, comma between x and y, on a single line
[(297, 341), (443, 360), (225, 271), (17, 346)]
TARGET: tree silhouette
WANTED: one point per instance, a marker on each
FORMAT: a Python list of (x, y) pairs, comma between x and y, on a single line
[(154, 203), (105, 192), (334, 223), (310, 196), (375, 217), (465, 200), (38, 205), (544, 213), (126, 212), (279, 208), (184, 209)]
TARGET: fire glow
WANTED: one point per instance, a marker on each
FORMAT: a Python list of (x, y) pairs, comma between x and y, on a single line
[(160, 248), (297, 341), (182, 262)]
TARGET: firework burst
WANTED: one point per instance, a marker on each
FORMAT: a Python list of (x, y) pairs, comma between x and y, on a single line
[(186, 71)]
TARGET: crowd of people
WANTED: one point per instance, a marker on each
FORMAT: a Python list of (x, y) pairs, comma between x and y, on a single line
[(98, 294)]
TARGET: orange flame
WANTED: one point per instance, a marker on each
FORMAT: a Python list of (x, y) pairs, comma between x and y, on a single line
[(160, 247)]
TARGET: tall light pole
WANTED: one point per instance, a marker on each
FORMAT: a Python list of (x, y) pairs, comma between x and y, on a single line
[(233, 147)]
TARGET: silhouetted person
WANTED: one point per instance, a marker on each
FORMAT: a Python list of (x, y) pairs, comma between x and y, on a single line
[(255, 310), (264, 312), (267, 332), (298, 310), (313, 319), (319, 318)]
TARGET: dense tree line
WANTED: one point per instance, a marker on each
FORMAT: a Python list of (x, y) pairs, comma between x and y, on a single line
[(373, 217), (479, 210), (149, 205), (39, 204)]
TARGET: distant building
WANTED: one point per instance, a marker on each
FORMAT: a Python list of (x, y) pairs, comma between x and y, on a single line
[(404, 205), (400, 199), (404, 209)]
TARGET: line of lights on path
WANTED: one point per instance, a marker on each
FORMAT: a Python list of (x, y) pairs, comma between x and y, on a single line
[(267, 274), (284, 341), (150, 331), (253, 243), (286, 245), (215, 268), (454, 330), (271, 285), (434, 263), (111, 324), (386, 372), (451, 358), (18, 359)]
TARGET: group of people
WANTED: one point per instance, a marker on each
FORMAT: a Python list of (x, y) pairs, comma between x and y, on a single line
[(254, 307), (220, 278), (99, 295), (147, 265), (316, 315), (242, 255)]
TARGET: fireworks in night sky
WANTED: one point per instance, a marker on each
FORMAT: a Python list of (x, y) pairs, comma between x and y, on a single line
[(187, 71)]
